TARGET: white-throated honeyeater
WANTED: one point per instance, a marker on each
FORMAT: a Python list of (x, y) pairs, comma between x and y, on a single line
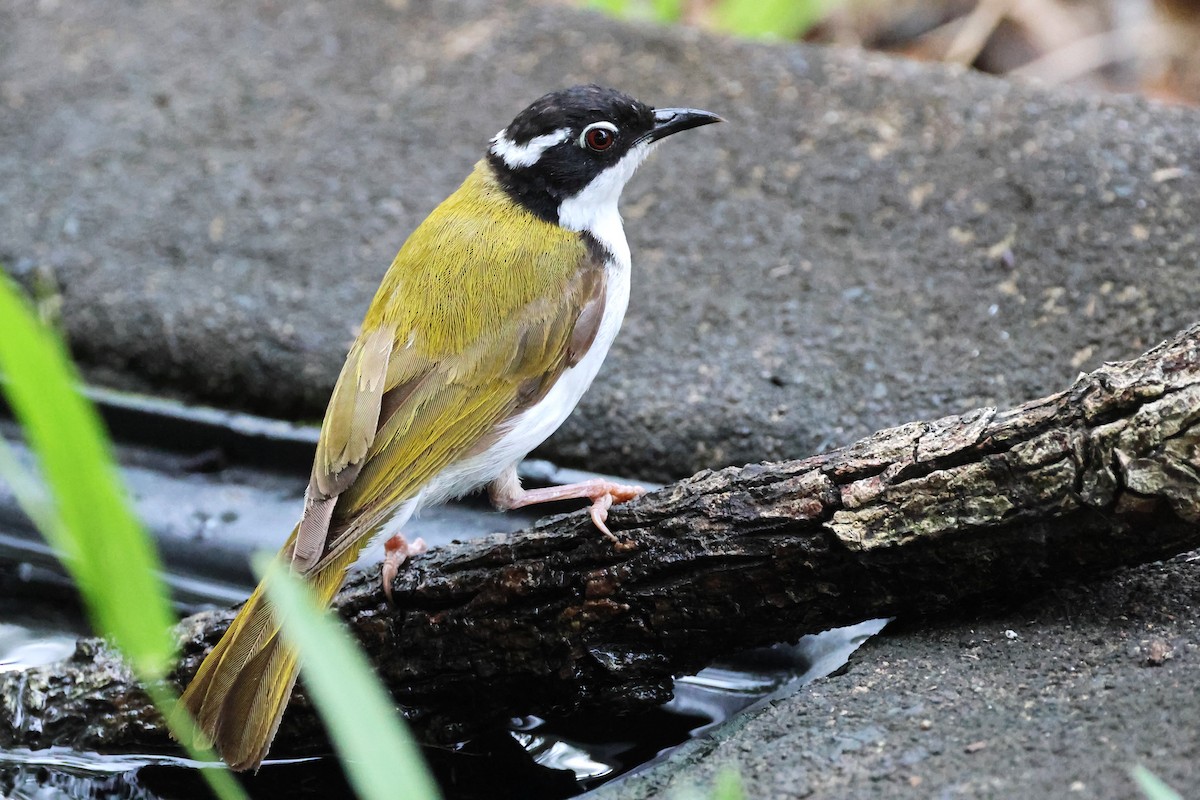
[(488, 327)]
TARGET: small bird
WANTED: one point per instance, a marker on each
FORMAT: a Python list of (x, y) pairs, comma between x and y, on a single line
[(488, 327)]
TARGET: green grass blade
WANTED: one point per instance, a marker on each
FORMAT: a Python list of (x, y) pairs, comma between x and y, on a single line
[(1153, 786), (380, 758), (87, 521), (218, 777), (83, 512)]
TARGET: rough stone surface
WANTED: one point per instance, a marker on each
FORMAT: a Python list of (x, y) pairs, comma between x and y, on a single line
[(1059, 698), (218, 190)]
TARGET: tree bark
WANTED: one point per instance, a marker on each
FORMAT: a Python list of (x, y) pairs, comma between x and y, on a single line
[(554, 619)]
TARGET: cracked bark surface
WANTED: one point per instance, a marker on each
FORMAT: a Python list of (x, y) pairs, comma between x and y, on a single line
[(969, 508)]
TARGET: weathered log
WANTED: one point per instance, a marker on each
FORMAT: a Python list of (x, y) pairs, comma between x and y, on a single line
[(912, 519)]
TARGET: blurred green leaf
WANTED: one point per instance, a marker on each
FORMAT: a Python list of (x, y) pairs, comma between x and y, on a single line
[(657, 10), (617, 8), (729, 786), (85, 516), (379, 756), (781, 18), (754, 18), (667, 10), (1153, 786)]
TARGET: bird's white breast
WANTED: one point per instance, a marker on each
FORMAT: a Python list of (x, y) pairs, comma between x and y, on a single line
[(593, 210), (532, 427)]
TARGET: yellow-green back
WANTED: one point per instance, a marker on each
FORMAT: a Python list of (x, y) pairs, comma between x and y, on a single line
[(496, 254), (479, 308)]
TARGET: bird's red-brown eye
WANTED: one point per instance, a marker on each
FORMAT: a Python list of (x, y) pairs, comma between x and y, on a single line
[(599, 136)]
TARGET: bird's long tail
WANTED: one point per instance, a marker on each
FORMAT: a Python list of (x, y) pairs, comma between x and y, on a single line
[(238, 695)]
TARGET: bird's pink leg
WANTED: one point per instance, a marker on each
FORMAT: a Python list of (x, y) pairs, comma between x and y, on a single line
[(397, 550), (506, 493)]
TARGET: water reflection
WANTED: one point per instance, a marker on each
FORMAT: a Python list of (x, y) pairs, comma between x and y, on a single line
[(536, 759)]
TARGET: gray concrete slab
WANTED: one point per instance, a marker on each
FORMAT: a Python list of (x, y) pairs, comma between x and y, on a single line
[(868, 241), (1060, 697)]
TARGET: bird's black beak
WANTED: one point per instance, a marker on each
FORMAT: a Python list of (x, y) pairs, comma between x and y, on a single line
[(674, 120)]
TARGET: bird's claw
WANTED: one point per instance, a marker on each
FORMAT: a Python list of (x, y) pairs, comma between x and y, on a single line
[(397, 550)]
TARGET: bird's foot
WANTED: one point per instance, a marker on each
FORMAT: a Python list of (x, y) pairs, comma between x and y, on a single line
[(397, 550), (603, 494)]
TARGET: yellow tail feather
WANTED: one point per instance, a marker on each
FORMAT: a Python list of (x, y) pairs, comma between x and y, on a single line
[(240, 691)]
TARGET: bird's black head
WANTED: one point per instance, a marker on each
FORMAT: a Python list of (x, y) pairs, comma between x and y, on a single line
[(577, 139)]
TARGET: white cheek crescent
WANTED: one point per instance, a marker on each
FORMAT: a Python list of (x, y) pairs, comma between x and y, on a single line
[(517, 156)]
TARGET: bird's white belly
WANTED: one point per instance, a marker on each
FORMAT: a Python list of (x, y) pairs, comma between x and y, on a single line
[(534, 426), (593, 210)]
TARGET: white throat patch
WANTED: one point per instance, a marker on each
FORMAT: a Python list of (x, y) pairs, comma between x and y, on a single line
[(517, 156), (594, 208)]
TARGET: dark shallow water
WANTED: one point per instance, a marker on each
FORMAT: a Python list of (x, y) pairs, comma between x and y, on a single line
[(536, 759), (224, 486)]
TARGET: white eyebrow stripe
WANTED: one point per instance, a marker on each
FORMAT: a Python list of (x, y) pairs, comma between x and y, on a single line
[(526, 155)]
